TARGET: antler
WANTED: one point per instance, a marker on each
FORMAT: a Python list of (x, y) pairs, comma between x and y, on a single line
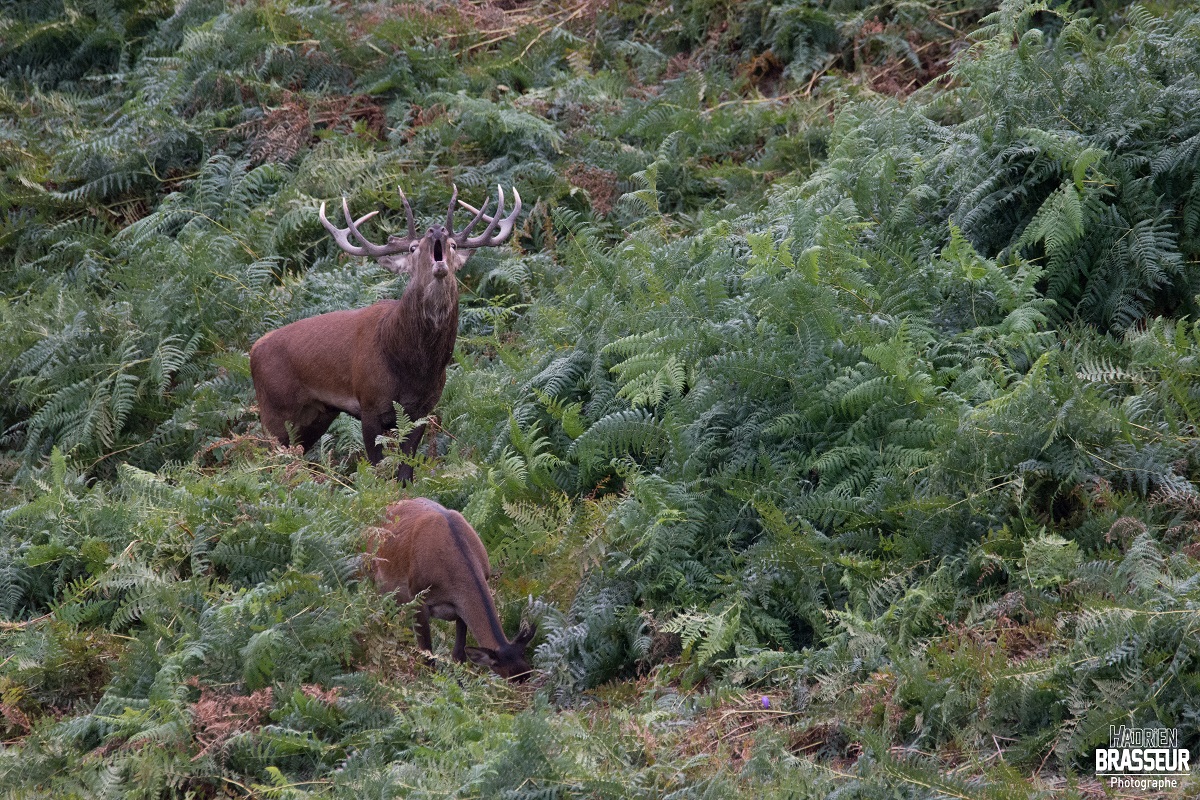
[(342, 235), (412, 228), (490, 236)]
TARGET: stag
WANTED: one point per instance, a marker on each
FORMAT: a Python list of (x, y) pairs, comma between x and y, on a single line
[(363, 361), (424, 547)]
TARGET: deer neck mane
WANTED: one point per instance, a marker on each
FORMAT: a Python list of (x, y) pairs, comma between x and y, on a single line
[(423, 326)]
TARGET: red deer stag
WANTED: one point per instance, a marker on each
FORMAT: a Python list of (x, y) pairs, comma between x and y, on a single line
[(395, 351), (423, 546)]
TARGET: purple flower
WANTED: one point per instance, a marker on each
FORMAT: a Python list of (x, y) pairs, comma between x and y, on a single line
[(766, 701)]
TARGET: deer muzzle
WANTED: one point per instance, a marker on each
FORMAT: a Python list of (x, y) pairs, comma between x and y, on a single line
[(438, 251)]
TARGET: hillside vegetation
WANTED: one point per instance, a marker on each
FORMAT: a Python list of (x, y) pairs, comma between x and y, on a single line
[(833, 409)]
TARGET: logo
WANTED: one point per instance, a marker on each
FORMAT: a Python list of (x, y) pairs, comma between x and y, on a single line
[(1143, 758)]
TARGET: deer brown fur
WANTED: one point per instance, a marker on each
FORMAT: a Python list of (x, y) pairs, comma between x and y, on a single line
[(424, 547), (362, 361)]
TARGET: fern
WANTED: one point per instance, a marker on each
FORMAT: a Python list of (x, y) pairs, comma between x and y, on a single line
[(883, 409)]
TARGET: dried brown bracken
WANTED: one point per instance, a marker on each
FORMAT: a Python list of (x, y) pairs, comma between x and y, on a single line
[(217, 716), (898, 76), (1124, 531), (283, 132), (15, 718), (327, 696), (600, 185)]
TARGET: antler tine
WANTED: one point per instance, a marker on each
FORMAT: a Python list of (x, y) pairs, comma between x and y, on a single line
[(412, 226), (450, 210), (491, 228), (353, 224), (487, 239), (370, 248), (342, 235), (461, 236)]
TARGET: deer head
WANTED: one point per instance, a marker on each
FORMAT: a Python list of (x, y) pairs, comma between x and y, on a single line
[(509, 660)]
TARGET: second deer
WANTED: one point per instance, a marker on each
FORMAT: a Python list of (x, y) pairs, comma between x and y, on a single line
[(425, 547)]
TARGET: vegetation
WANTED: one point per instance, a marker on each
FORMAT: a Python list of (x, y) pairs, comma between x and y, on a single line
[(834, 410)]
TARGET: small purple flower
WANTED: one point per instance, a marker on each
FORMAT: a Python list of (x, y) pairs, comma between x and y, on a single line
[(766, 701)]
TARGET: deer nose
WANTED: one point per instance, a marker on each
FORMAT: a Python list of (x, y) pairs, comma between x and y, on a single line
[(439, 269)]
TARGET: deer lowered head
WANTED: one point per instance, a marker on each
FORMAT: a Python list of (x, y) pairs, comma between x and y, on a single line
[(424, 547), (362, 361)]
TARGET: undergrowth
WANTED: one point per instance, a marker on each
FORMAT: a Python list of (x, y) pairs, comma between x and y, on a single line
[(832, 410)]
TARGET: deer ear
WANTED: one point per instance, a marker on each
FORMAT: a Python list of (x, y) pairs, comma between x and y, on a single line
[(483, 656), (525, 636), (398, 264)]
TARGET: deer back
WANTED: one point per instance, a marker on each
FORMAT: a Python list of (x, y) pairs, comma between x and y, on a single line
[(424, 547)]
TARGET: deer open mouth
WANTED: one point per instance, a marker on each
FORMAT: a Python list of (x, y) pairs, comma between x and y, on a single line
[(437, 250)]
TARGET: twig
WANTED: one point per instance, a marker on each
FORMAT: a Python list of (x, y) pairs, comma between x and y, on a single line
[(945, 25), (770, 712), (486, 42), (1038, 773), (750, 101), (506, 32), (816, 75), (16, 626), (582, 7), (113, 453)]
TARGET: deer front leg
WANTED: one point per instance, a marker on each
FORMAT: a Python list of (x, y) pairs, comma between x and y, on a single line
[(424, 636), (404, 473), (374, 426), (372, 429), (460, 640)]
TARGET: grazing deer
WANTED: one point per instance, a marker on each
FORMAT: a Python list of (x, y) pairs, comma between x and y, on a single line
[(396, 351), (424, 547)]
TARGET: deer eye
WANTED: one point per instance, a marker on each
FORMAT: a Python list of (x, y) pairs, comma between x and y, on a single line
[(414, 247)]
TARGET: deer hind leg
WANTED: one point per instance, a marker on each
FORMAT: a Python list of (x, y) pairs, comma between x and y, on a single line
[(303, 425), (273, 416), (282, 416), (316, 422)]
